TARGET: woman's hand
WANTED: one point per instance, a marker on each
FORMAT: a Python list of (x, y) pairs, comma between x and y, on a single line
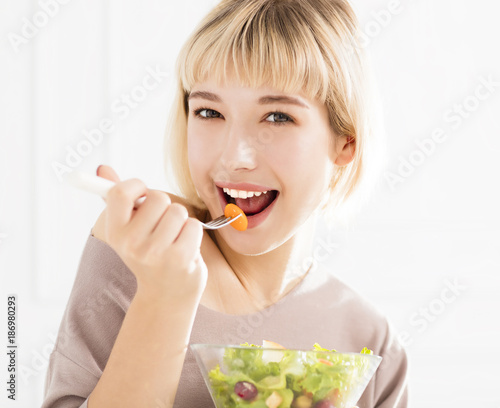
[(159, 242)]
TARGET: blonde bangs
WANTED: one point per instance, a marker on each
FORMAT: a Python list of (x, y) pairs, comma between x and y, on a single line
[(262, 46)]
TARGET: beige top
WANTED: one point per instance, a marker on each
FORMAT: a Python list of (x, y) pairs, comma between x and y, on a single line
[(319, 309)]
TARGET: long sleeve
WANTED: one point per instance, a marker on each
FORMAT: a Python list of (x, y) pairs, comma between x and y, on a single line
[(391, 388), (98, 302), (67, 384)]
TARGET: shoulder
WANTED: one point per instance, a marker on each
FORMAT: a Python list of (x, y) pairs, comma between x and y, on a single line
[(363, 322), (358, 304), (343, 296), (98, 230)]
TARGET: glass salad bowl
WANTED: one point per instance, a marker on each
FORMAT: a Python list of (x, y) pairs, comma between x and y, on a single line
[(271, 377)]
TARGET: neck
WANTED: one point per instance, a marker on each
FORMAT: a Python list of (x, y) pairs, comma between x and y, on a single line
[(267, 277)]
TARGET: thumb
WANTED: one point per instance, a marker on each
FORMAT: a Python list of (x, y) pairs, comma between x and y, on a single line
[(107, 172)]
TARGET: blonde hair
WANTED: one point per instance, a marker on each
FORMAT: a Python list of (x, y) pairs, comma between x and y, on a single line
[(309, 45)]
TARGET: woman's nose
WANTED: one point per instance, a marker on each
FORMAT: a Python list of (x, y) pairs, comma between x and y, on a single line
[(239, 151)]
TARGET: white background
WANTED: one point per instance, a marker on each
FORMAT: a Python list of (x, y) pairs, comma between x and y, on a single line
[(437, 226)]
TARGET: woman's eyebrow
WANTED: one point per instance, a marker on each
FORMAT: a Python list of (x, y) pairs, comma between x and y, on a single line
[(282, 99), (264, 100)]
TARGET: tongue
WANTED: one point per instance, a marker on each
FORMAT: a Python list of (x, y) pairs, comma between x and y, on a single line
[(254, 205)]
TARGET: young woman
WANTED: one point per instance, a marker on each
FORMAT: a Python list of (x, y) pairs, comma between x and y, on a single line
[(273, 112)]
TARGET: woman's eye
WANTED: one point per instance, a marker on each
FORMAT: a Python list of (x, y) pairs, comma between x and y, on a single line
[(279, 118), (205, 113)]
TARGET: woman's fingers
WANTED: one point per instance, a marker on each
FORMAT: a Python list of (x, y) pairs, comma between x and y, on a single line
[(149, 214), (108, 173), (120, 201), (170, 225), (189, 240)]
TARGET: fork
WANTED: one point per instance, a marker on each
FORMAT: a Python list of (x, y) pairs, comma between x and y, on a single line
[(101, 186)]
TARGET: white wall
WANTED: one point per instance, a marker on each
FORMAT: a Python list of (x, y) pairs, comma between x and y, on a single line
[(437, 226)]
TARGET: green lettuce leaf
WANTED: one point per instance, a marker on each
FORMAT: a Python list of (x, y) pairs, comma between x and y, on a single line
[(298, 373)]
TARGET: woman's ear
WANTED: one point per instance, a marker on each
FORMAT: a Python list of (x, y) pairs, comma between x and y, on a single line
[(345, 148)]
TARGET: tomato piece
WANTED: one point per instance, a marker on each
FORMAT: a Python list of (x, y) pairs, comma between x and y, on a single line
[(232, 210)]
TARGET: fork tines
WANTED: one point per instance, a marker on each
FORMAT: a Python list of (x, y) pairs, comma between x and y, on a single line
[(218, 221)]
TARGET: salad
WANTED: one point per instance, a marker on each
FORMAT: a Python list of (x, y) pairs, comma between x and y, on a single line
[(271, 376)]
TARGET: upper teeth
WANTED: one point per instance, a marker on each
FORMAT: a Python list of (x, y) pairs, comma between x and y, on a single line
[(242, 193)]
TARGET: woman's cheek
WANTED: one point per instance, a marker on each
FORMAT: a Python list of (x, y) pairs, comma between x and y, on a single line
[(292, 156), (196, 148)]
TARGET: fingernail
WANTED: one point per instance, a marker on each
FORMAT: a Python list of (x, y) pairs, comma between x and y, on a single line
[(97, 171)]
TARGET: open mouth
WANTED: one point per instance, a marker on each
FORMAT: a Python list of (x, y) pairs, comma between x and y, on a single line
[(252, 205)]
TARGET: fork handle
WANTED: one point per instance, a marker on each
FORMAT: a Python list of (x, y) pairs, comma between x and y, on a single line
[(94, 184), (101, 186)]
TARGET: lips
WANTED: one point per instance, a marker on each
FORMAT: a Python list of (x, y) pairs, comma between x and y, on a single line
[(253, 219)]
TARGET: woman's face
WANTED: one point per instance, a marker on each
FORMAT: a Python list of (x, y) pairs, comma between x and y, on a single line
[(260, 136)]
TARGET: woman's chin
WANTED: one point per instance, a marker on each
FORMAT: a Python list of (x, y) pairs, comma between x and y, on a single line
[(251, 244)]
